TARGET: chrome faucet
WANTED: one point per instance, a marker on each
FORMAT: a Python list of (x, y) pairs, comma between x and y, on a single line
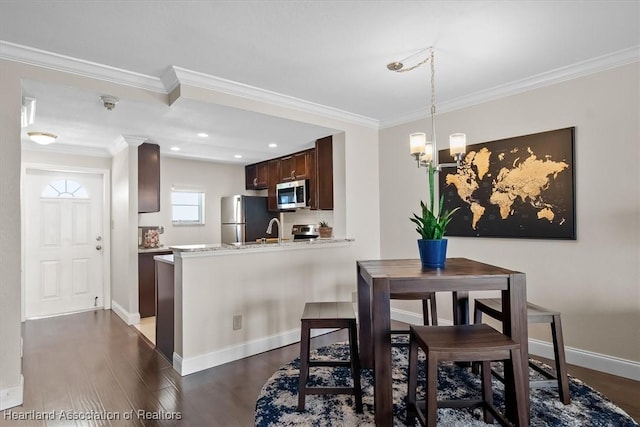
[(279, 228)]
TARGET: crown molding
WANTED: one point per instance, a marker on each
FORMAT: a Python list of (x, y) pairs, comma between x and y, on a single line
[(124, 141), (579, 69), (53, 61), (176, 76), (180, 76), (172, 78)]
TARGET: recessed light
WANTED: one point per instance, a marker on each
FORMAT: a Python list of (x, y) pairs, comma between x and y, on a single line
[(174, 148), (203, 135), (273, 145), (237, 156)]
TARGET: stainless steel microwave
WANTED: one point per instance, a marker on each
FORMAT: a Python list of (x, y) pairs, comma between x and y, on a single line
[(292, 194)]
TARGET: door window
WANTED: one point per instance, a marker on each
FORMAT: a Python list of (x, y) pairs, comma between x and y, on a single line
[(65, 188)]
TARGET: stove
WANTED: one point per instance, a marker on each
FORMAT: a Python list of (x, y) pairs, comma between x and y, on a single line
[(305, 231)]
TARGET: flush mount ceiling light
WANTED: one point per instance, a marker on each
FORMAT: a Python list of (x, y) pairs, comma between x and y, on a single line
[(174, 148), (237, 156), (425, 151), (273, 145), (109, 101), (42, 138), (203, 134)]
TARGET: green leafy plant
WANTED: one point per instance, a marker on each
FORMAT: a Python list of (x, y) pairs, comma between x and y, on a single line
[(324, 224), (432, 225)]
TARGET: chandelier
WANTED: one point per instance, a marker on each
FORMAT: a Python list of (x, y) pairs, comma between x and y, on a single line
[(424, 150)]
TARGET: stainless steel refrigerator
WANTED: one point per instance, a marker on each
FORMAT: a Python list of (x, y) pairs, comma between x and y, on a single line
[(245, 219)]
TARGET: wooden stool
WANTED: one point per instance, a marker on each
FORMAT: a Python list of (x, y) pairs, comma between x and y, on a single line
[(536, 314), (329, 315), (464, 343), (428, 301)]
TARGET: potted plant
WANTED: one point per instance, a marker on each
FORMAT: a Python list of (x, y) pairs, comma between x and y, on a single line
[(324, 229), (431, 227)]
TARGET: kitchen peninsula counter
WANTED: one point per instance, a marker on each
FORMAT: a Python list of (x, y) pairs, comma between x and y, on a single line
[(227, 249), (234, 301)]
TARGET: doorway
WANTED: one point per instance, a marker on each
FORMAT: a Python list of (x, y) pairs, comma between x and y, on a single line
[(65, 250)]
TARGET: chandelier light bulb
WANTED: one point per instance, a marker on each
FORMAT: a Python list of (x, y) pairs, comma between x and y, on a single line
[(416, 142), (457, 144)]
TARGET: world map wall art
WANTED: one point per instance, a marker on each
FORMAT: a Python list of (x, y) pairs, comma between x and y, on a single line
[(516, 187)]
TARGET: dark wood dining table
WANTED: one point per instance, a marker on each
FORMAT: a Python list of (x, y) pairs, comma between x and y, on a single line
[(378, 279)]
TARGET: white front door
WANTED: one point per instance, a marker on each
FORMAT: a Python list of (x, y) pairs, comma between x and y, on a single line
[(63, 242)]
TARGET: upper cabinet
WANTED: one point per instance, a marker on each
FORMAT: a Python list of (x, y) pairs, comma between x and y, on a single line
[(273, 174), (315, 164), (256, 176), (148, 178), (323, 174), (296, 166)]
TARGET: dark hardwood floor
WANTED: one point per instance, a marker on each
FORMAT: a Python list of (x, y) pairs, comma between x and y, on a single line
[(93, 363)]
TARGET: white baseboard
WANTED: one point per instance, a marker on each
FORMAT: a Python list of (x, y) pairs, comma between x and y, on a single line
[(575, 356), (189, 365), (128, 318), (588, 359), (12, 396)]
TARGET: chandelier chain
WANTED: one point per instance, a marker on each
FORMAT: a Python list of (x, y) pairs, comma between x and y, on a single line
[(404, 70), (433, 100)]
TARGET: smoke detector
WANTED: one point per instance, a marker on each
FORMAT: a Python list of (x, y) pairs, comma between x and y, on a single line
[(109, 101)]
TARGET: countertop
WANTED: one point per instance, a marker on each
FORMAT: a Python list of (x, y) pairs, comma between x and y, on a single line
[(221, 248), (164, 258), (153, 250)]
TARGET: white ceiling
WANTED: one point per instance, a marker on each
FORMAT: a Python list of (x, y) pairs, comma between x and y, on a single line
[(331, 53)]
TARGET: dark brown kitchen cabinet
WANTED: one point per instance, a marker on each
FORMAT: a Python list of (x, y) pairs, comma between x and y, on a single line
[(165, 316), (147, 283), (148, 178), (324, 174), (315, 164), (273, 177), (256, 176), (296, 166)]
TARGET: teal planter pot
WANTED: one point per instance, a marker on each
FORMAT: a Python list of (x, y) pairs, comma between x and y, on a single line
[(433, 253)]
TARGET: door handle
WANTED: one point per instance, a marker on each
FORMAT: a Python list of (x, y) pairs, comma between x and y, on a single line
[(98, 247), (98, 238)]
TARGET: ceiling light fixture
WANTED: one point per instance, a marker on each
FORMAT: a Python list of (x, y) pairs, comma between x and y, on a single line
[(203, 135), (28, 111), (237, 156), (273, 145), (42, 138), (425, 151), (109, 101), (174, 148)]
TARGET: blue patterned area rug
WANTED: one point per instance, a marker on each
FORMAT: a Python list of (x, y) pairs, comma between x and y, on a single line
[(278, 400)]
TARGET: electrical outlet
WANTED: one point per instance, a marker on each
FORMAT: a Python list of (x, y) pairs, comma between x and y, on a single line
[(237, 322)]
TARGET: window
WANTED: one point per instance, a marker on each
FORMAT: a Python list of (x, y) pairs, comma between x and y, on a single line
[(65, 188), (187, 207)]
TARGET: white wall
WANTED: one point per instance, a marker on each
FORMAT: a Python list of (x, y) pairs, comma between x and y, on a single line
[(268, 287), (124, 237), (215, 179), (595, 280), (66, 160), (11, 390)]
